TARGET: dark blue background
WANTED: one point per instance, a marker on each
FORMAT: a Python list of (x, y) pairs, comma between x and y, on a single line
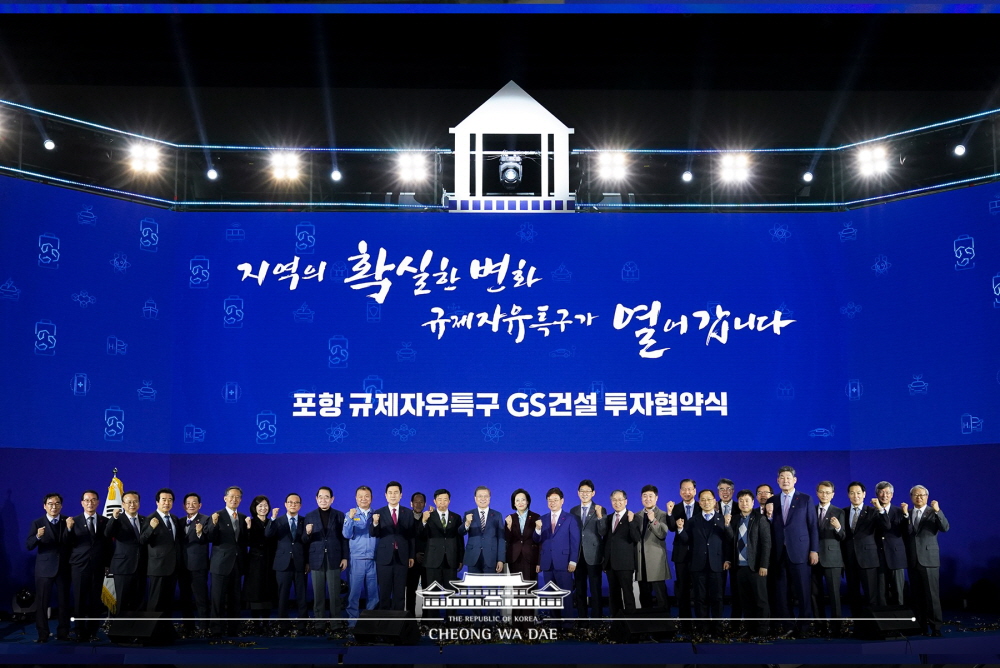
[(922, 317)]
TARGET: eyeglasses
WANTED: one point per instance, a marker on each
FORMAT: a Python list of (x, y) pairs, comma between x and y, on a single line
[(53, 503)]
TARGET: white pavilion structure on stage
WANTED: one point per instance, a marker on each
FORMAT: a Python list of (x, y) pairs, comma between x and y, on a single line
[(511, 111)]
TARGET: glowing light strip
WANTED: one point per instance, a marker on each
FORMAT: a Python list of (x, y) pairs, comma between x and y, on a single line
[(86, 185), (581, 151), (172, 203), (903, 193), (364, 205), (924, 189)]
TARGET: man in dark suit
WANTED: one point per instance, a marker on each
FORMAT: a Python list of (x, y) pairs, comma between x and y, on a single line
[(751, 557), (486, 547), (796, 539), (290, 563), (192, 576), (620, 538), (827, 573), (924, 523), (49, 534), (328, 552), (228, 534), (860, 550), (651, 569), (707, 536), (161, 534), (681, 554), (394, 528), (889, 536), (559, 536), (417, 576), (445, 548), (89, 557), (589, 565), (128, 562)]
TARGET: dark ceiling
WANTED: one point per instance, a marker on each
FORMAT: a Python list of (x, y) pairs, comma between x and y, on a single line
[(642, 80)]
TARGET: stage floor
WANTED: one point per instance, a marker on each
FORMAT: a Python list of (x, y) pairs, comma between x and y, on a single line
[(967, 639)]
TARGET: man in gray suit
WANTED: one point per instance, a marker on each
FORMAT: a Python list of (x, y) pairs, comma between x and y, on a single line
[(651, 552), (924, 523), (590, 517), (830, 521)]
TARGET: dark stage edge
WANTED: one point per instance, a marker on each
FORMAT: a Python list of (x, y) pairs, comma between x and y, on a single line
[(967, 647)]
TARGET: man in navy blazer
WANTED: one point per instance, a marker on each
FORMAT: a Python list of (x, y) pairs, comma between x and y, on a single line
[(290, 557), (395, 528), (559, 536), (328, 552), (708, 536), (445, 548), (161, 535), (192, 576), (860, 549), (90, 555), (796, 545), (889, 532), (49, 534), (486, 547), (128, 562)]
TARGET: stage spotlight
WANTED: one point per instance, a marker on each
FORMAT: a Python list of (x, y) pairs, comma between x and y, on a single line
[(807, 177), (212, 174), (510, 170), (872, 161), (285, 166), (336, 175), (612, 166), (49, 144), (960, 150), (735, 167), (145, 158), (412, 166), (687, 176)]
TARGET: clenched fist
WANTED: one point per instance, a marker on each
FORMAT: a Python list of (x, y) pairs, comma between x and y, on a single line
[(69, 522), (599, 511), (680, 523), (509, 521), (538, 525), (375, 519), (670, 507), (155, 522), (215, 518), (352, 512), (274, 513), (631, 516), (309, 529), (468, 520)]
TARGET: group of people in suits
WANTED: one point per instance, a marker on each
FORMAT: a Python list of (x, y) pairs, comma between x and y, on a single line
[(784, 558)]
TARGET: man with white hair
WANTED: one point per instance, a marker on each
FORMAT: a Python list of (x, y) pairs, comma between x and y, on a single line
[(924, 522)]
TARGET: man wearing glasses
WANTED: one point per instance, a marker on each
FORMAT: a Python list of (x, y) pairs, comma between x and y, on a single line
[(128, 562), (923, 525), (48, 534)]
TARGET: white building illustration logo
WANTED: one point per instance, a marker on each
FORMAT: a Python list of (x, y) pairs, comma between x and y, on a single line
[(492, 590)]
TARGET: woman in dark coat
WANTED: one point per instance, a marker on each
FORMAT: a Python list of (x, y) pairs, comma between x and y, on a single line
[(522, 550), (260, 587)]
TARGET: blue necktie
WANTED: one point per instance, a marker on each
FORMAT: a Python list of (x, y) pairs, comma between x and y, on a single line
[(293, 529)]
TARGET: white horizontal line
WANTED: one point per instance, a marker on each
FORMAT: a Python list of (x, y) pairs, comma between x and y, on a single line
[(544, 619)]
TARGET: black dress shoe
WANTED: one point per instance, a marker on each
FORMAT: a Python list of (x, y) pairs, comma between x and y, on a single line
[(936, 633), (42, 640)]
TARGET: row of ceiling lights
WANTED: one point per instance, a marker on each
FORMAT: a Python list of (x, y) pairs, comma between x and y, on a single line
[(612, 165)]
